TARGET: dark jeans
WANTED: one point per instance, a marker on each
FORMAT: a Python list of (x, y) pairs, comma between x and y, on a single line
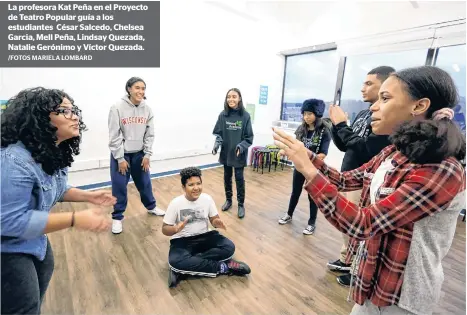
[(297, 187), (24, 282), (120, 182), (239, 181), (200, 255)]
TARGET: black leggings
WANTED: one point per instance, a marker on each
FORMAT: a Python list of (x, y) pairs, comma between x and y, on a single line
[(24, 281), (297, 187), (239, 182)]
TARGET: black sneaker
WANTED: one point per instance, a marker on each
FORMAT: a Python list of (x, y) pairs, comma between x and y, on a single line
[(238, 268), (344, 280), (339, 266), (227, 205), (174, 279)]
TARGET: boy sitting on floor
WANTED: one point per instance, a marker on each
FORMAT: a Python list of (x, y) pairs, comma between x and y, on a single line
[(194, 249)]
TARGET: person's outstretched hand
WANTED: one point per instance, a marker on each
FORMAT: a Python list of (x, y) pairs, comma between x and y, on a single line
[(94, 219), (102, 198), (295, 152)]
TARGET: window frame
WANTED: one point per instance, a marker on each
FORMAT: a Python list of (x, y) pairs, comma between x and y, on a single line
[(431, 57)]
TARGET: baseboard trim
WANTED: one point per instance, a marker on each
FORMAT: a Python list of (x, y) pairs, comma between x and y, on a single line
[(155, 175)]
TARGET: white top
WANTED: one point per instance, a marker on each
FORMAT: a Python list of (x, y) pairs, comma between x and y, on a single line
[(378, 179), (200, 211)]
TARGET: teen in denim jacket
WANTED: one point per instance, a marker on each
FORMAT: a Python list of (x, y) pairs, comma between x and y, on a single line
[(40, 133)]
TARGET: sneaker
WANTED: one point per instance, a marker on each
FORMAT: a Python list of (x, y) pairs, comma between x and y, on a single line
[(285, 219), (344, 280), (238, 268), (157, 211), (339, 266), (117, 226), (173, 279), (310, 229)]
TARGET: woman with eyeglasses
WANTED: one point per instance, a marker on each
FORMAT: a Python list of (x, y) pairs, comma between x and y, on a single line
[(40, 134)]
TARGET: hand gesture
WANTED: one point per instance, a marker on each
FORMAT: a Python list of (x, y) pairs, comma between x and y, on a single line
[(294, 150), (182, 224), (123, 167), (337, 115), (219, 224), (102, 198), (145, 164), (94, 219)]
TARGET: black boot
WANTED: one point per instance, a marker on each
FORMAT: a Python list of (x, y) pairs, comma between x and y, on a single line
[(227, 205), (241, 197), (228, 188), (241, 211)]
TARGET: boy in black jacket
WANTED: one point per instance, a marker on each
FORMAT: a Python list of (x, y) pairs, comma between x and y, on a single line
[(360, 145)]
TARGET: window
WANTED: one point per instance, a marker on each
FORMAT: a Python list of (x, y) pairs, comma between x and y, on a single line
[(311, 75), (452, 60), (357, 67)]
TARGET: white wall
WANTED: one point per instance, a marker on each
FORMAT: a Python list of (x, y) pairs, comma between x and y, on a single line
[(93, 90)]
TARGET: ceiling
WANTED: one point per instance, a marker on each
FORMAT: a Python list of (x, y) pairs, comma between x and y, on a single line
[(326, 21)]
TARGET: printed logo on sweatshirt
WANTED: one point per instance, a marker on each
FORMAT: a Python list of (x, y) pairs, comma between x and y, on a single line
[(360, 126), (134, 120), (310, 142), (234, 125)]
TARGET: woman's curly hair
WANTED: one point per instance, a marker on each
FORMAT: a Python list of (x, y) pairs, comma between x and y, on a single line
[(428, 140), (27, 119)]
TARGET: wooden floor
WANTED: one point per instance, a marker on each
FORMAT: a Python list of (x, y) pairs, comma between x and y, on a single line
[(127, 273)]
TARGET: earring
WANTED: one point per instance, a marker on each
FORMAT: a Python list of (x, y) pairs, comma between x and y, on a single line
[(413, 114)]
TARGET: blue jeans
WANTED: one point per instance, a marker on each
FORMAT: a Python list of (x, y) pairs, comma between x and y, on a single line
[(120, 182), (24, 281)]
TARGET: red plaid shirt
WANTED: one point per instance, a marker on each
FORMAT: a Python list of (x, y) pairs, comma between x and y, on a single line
[(413, 192)]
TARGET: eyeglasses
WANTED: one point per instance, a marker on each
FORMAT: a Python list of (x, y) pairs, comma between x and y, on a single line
[(68, 112)]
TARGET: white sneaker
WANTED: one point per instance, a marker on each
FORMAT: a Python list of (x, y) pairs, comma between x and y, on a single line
[(310, 229), (285, 219), (157, 211), (117, 226)]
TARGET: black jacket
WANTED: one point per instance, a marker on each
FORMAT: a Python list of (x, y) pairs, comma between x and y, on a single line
[(358, 142), (233, 131)]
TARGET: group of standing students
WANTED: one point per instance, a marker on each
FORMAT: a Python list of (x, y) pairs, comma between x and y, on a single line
[(399, 227)]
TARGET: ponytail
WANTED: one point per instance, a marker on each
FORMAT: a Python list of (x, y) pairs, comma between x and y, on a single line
[(430, 141)]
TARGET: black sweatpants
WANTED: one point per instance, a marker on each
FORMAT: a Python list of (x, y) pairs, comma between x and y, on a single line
[(200, 255), (24, 282), (297, 188)]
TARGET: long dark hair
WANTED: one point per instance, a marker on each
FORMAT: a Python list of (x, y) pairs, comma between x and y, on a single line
[(241, 108), (27, 119), (302, 130), (428, 140)]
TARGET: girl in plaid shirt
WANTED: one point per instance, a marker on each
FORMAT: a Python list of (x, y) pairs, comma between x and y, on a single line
[(411, 193)]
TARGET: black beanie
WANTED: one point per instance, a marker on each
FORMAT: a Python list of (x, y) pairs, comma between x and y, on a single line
[(315, 106)]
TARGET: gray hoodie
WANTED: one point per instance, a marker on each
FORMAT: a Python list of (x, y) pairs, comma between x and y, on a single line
[(131, 128)]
